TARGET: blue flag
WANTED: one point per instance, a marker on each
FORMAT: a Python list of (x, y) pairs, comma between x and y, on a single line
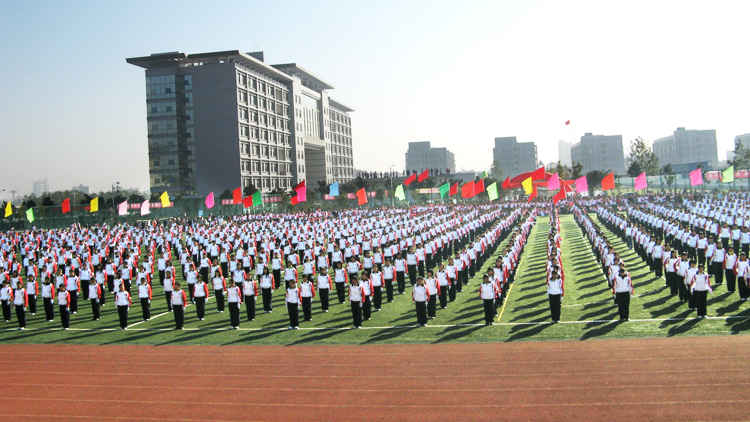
[(333, 190)]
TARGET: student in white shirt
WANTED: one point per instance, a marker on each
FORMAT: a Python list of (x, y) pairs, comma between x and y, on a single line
[(700, 287), (145, 296), (48, 298), (122, 301), (307, 293), (95, 294), (488, 294), (356, 299), (420, 296), (742, 271), (622, 288), (178, 300), (376, 278), (6, 297), (200, 297), (433, 288), (388, 274), (730, 260), (324, 288), (63, 301), (555, 293), (234, 300), (20, 301), (266, 289), (250, 291), (293, 300)]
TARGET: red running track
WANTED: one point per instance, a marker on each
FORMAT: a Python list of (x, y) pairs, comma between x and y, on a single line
[(685, 379)]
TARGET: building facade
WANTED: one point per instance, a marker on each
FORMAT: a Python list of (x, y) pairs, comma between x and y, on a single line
[(599, 152), (686, 147), (226, 119), (41, 187), (515, 157), (421, 156), (563, 153)]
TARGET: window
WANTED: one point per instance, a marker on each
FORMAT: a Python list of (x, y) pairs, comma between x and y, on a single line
[(170, 162), (256, 150), (244, 131), (273, 152), (265, 151), (243, 113), (265, 167), (256, 166), (242, 96)]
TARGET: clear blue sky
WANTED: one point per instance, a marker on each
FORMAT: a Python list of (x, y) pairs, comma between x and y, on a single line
[(456, 73)]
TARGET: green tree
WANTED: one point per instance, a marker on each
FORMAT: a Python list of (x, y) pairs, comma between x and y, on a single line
[(227, 194), (48, 202), (642, 158), (668, 172), (496, 171), (136, 198), (249, 190), (594, 179), (575, 173), (561, 170), (741, 159)]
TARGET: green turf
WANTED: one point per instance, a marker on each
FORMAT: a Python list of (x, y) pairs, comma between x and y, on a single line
[(586, 299)]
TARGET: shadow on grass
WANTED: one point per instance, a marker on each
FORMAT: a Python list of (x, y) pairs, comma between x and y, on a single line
[(683, 327), (534, 313), (598, 329), (455, 333), (313, 336), (520, 332), (389, 334)]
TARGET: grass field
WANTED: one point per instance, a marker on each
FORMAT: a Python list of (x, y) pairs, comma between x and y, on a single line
[(588, 312)]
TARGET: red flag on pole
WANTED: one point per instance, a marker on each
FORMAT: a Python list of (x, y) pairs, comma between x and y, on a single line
[(361, 197), (608, 182), (538, 174), (294, 200), (506, 183), (467, 190), (300, 185), (478, 187), (559, 196), (567, 123), (425, 174), (410, 179), (247, 202), (237, 196), (533, 195), (66, 206), (454, 189)]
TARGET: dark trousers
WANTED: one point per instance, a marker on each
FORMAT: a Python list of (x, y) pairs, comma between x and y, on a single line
[(742, 287), (700, 301), (277, 279), (49, 308), (103, 298), (366, 308), (94, 308), (444, 296), (690, 298), (489, 310), (452, 291), (234, 314), (421, 312), (431, 305), (204, 274), (307, 308), (377, 297), (623, 304), (6, 310), (200, 307), (168, 296), (731, 280), (356, 313), (110, 283), (267, 296), (65, 316), (32, 302), (684, 291), (191, 292), (420, 268), (718, 272), (219, 294), (293, 310), (85, 289), (73, 300), (179, 316), (389, 290), (250, 307), (459, 281), (412, 269), (122, 312), (162, 274), (401, 281), (323, 298), (554, 306), (146, 307), (702, 256), (21, 316), (340, 291)]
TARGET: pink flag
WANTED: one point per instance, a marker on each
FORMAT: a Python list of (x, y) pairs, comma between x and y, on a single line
[(582, 185), (210, 200), (553, 182), (640, 182), (696, 177), (122, 209), (302, 194), (145, 208)]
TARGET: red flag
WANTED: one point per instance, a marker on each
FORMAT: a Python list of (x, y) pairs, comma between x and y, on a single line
[(294, 200), (608, 182), (66, 206), (538, 174), (454, 189), (467, 190), (237, 196), (248, 202), (478, 187), (559, 196), (533, 195), (300, 185), (361, 196), (567, 123), (425, 174), (410, 179), (506, 183)]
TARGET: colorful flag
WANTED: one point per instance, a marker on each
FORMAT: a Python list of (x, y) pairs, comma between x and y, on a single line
[(30, 215), (567, 123), (727, 176), (247, 201), (444, 189), (400, 193), (560, 195), (210, 200), (538, 174), (333, 190), (361, 196), (66, 206), (608, 183), (301, 184), (582, 185), (94, 205), (484, 174), (425, 174), (527, 186), (478, 187), (164, 199), (257, 198), (294, 200), (506, 183), (467, 190), (641, 182), (492, 191), (454, 189), (8, 210), (696, 177), (532, 196), (236, 196), (553, 182), (410, 179), (145, 207), (122, 209), (301, 193)]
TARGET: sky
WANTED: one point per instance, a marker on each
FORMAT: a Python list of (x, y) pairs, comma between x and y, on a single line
[(455, 73)]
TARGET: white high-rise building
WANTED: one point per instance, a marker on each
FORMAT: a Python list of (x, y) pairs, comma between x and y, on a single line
[(563, 153)]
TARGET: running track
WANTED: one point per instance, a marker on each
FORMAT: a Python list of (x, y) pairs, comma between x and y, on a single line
[(687, 379)]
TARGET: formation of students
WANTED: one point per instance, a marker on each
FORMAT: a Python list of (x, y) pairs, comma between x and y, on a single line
[(555, 272)]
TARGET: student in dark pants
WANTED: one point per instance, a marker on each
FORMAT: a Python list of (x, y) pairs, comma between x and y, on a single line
[(388, 274), (234, 301), (420, 296), (144, 295), (95, 294), (32, 291), (250, 290), (20, 301), (488, 294), (356, 299), (6, 295), (48, 298), (324, 288), (63, 301), (700, 287), (266, 289), (179, 301), (293, 300), (622, 288), (200, 296), (433, 288), (555, 293), (122, 301), (376, 278), (307, 293)]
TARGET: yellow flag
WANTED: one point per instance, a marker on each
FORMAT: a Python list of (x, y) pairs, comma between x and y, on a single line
[(8, 210), (94, 205), (164, 199), (527, 186)]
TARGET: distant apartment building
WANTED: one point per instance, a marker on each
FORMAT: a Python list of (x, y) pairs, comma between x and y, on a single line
[(41, 187), (599, 152), (515, 157), (563, 153), (687, 147), (225, 119), (421, 156), (81, 188)]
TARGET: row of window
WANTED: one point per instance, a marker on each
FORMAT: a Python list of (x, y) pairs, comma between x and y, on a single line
[(250, 82), (269, 183), (262, 103), (264, 135), (265, 151), (339, 139), (263, 119), (257, 167)]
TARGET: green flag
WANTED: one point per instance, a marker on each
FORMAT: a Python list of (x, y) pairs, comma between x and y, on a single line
[(445, 189), (257, 198), (727, 175), (30, 215), (492, 191), (484, 175), (400, 192)]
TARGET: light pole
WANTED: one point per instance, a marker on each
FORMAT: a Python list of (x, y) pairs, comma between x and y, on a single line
[(115, 187), (392, 192)]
